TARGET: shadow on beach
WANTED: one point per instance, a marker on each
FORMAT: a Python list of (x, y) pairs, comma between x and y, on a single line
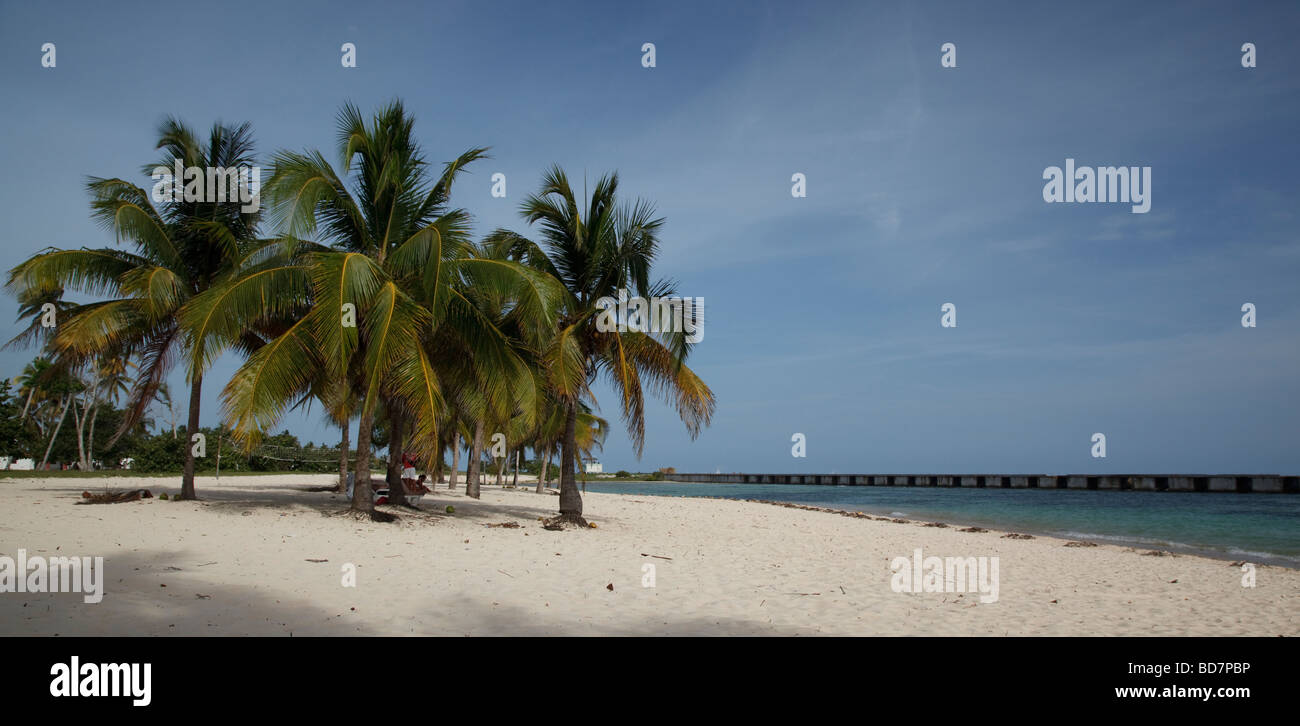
[(475, 616), (431, 508), (163, 593)]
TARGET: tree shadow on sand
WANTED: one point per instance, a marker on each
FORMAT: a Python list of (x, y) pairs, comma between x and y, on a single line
[(247, 497), (161, 592), (466, 615)]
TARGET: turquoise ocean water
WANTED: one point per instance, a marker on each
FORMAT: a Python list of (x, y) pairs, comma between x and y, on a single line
[(1260, 528)]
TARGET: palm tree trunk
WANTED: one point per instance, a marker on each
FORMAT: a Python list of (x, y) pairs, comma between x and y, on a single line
[(55, 435), (515, 482), (570, 498), (343, 457), (363, 498), (455, 458), (187, 477), (475, 457), (396, 445), (30, 393), (90, 438), (87, 408), (79, 425), (501, 467), (541, 478)]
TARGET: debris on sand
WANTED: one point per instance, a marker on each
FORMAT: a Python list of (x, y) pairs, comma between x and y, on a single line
[(115, 497), (972, 529), (1017, 535), (373, 516), (504, 525), (1080, 544), (562, 522), (809, 508)]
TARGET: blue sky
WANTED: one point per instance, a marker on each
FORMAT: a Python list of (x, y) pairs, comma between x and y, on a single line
[(924, 186)]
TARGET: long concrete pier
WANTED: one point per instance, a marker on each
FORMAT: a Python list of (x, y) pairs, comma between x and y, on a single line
[(1265, 483)]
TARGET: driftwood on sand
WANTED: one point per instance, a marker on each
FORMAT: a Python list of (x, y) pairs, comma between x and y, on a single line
[(115, 497)]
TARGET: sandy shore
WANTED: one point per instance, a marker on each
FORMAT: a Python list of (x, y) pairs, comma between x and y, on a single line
[(241, 562)]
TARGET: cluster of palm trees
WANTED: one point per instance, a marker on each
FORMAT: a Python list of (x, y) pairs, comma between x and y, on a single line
[(50, 390), (360, 288)]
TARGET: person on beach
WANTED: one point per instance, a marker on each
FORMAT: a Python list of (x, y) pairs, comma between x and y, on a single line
[(409, 476)]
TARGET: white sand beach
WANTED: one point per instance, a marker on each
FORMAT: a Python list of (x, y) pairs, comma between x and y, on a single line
[(259, 556)]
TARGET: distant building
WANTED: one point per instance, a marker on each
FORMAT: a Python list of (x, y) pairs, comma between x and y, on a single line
[(593, 467), (21, 465)]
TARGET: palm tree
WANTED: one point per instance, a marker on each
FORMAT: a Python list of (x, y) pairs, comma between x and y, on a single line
[(366, 303), (477, 390), (30, 381), (107, 381), (114, 383), (179, 249), (455, 451), (590, 432), (59, 385), (344, 449), (596, 253), (164, 398)]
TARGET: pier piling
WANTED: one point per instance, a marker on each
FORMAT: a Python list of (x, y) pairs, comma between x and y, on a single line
[(1221, 483)]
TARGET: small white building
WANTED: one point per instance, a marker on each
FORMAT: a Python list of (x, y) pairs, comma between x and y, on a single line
[(21, 465), (593, 467)]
